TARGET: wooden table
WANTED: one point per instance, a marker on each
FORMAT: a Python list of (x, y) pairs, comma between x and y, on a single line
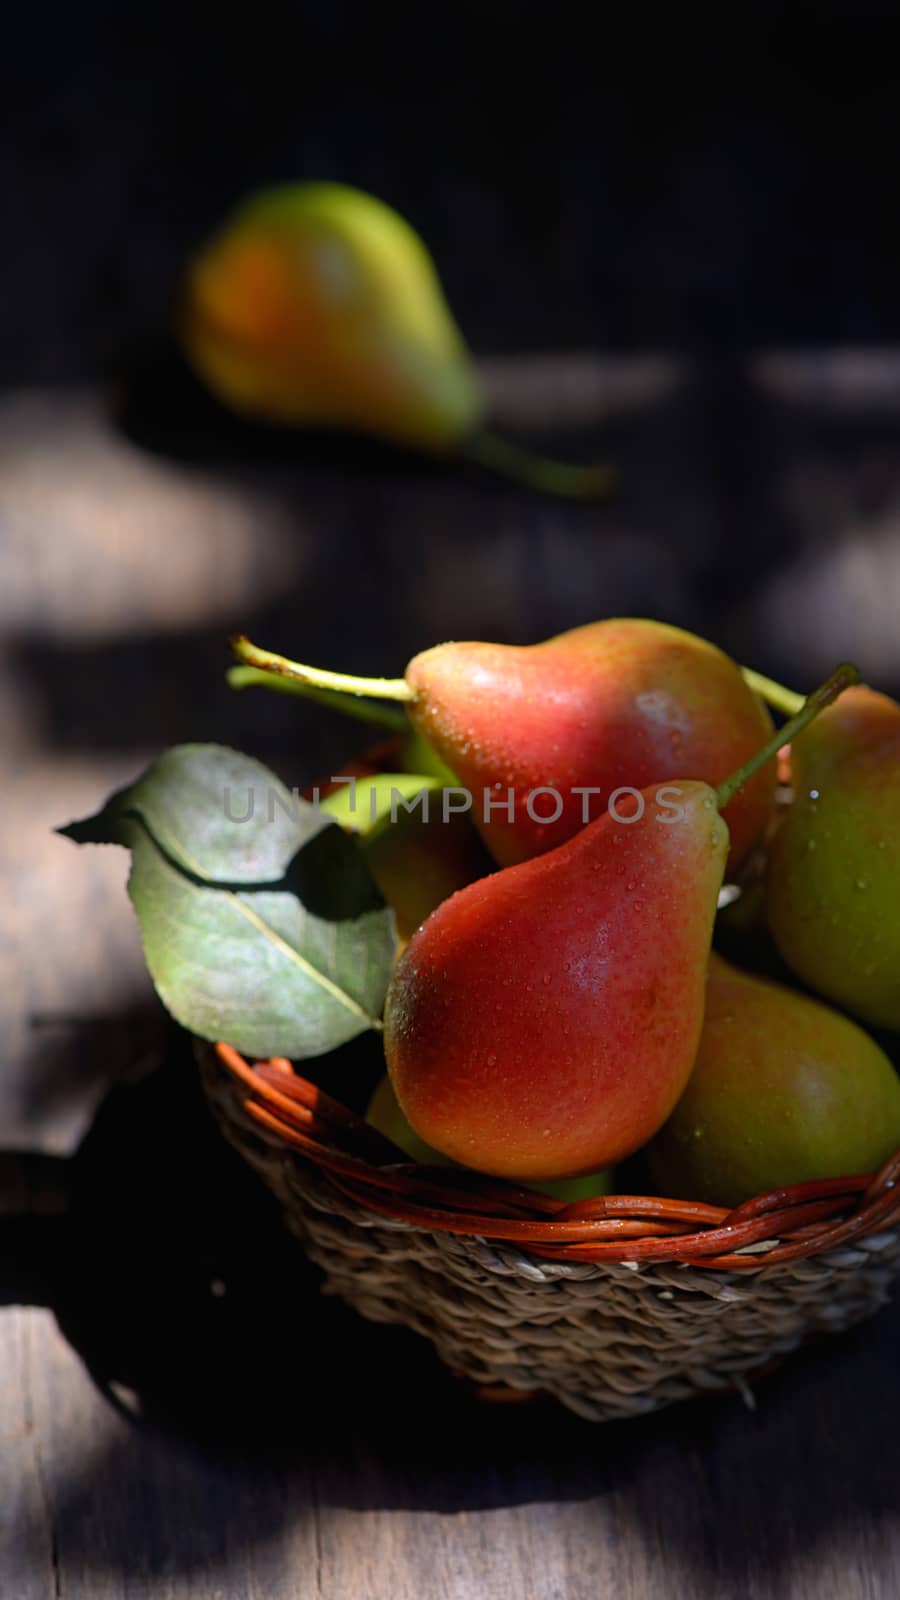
[(182, 1413)]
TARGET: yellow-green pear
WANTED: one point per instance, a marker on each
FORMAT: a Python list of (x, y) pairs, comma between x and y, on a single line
[(784, 1090), (834, 865), (318, 305)]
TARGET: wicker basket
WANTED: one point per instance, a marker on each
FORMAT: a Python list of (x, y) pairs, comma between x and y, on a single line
[(616, 1306)]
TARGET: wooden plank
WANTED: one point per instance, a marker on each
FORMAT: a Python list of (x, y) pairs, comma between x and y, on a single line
[(28, 1553), (94, 1508), (709, 1501)]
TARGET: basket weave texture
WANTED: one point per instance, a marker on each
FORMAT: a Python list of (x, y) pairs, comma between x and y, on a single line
[(615, 1306)]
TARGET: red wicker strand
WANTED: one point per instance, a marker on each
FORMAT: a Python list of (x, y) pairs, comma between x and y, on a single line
[(786, 1225)]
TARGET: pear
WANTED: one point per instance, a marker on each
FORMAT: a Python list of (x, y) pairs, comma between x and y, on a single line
[(318, 305), (833, 886), (623, 702), (784, 1090), (620, 702), (418, 756), (385, 1114), (417, 855), (418, 862), (543, 1021)]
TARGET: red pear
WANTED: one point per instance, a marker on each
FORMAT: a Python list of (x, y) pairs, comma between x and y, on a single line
[(622, 702), (543, 1021), (384, 1114)]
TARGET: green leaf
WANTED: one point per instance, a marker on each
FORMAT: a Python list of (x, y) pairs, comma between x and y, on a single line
[(261, 922)]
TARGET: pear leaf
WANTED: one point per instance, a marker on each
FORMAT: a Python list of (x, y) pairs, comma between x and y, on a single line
[(260, 920)]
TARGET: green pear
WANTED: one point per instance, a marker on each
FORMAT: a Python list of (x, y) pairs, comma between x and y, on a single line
[(419, 862), (418, 756), (318, 304), (784, 1090), (833, 887), (418, 854)]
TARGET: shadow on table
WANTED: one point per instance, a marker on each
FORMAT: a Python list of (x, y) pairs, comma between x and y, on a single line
[(197, 1315), (765, 522), (72, 1060), (378, 552), (760, 519)]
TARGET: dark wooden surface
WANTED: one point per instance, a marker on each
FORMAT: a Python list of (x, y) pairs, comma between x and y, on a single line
[(181, 1412)]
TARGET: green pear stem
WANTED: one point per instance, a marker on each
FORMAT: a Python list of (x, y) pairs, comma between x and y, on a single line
[(350, 705), (339, 683), (842, 678), (774, 694), (564, 479)]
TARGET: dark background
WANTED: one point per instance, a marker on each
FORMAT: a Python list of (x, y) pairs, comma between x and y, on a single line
[(694, 187), (586, 177)]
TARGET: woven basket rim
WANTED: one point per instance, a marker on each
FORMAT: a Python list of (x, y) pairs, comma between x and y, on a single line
[(784, 1225)]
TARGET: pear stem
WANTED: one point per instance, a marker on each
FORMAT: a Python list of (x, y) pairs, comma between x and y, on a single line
[(774, 694), (561, 478), (363, 710), (842, 678), (340, 683)]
